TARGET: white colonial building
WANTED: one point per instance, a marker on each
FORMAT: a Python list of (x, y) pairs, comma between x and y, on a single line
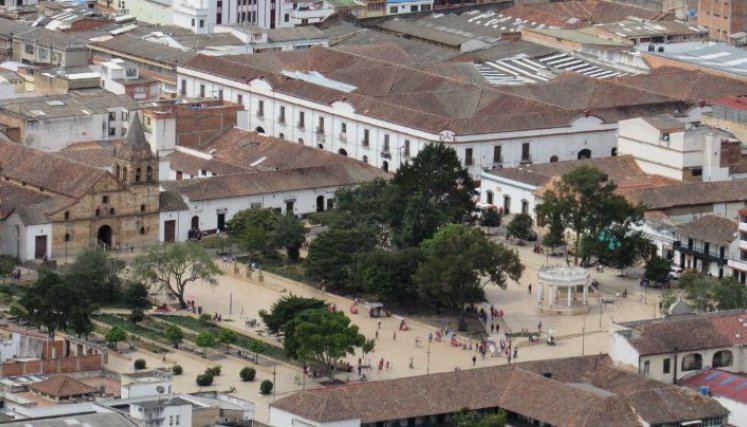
[(372, 104)]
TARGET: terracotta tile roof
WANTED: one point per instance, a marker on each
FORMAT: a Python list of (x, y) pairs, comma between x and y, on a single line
[(687, 85), (62, 387), (98, 154), (170, 201), (733, 102), (688, 332), (665, 122), (588, 12), (45, 170), (190, 164), (692, 194), (583, 391), (434, 98), (255, 183), (711, 228)]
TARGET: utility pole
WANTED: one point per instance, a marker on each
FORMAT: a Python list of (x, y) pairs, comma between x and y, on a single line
[(583, 337), (428, 360), (230, 304), (273, 381)]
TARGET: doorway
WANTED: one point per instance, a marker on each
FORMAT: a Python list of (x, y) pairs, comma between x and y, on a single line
[(195, 222), (222, 221), (169, 231), (105, 236), (40, 247), (342, 152), (320, 204), (289, 207), (584, 154), (259, 129), (506, 205)]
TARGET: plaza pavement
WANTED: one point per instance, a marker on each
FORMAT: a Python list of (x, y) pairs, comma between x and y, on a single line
[(246, 296)]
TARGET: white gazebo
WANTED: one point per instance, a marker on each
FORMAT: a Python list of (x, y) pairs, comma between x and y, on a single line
[(568, 281)]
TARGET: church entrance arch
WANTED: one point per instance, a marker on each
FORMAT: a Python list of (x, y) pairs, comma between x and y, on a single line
[(105, 236)]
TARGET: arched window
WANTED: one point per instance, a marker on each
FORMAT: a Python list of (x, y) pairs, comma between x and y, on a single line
[(722, 358), (507, 204), (142, 230), (342, 152), (692, 362), (117, 172), (525, 207), (584, 154), (385, 166), (260, 129), (149, 173), (614, 151), (553, 159), (320, 146), (124, 173), (281, 136), (67, 237), (300, 141), (365, 159), (489, 197)]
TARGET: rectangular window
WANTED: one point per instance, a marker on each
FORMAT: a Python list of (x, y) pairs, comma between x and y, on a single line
[(137, 174), (104, 199), (667, 366), (287, 17), (177, 420), (67, 214), (220, 94), (646, 367), (393, 10), (320, 128), (240, 99), (193, 23), (112, 131), (281, 119), (386, 144), (202, 91), (171, 420), (343, 128), (468, 159), (112, 115), (407, 148), (497, 154), (183, 90), (124, 115), (202, 23), (414, 8), (366, 137), (301, 119), (255, 206), (261, 108)]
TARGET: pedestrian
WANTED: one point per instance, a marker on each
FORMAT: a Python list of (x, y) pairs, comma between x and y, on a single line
[(163, 359), (516, 352), (412, 364), (530, 289), (387, 365), (417, 342), (492, 328), (497, 328), (474, 360), (539, 326), (377, 335), (360, 369), (379, 323), (381, 364), (394, 336), (430, 337)]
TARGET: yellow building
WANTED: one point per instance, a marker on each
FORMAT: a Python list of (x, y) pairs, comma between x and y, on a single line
[(55, 204)]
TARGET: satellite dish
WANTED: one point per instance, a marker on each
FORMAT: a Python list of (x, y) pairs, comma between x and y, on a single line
[(160, 389)]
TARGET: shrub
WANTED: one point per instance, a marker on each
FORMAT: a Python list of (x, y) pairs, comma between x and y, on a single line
[(247, 374), (204, 380), (214, 371), (137, 315), (140, 364), (177, 369), (206, 317), (265, 387)]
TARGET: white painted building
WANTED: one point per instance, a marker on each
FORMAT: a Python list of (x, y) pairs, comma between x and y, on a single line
[(159, 412), (350, 113), (23, 231), (706, 244), (397, 7), (141, 384), (672, 348), (666, 146)]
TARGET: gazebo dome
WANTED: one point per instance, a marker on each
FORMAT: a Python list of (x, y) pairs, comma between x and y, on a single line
[(569, 280)]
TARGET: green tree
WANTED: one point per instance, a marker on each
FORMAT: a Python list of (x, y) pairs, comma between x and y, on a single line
[(265, 387), (420, 219), (368, 347), (177, 369), (626, 250), (204, 380), (366, 207), (136, 315), (251, 228), (228, 337), (205, 340), (55, 304), (136, 295), (289, 233), (7, 265), (325, 337), (140, 364), (80, 319), (115, 335), (332, 257), (174, 266), (490, 218), (469, 418), (520, 226), (437, 174), (174, 334), (585, 201), (459, 262), (97, 273), (555, 236), (285, 309), (657, 269), (729, 294), (247, 374), (389, 274)]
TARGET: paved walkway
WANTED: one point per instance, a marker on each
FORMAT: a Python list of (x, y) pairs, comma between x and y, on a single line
[(239, 299)]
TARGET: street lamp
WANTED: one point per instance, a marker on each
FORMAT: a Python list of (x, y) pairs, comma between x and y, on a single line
[(428, 360)]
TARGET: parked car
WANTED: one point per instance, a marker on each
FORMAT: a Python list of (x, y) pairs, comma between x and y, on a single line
[(645, 282), (531, 236), (675, 273)]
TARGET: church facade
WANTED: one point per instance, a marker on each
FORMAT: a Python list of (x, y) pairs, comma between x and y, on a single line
[(54, 205)]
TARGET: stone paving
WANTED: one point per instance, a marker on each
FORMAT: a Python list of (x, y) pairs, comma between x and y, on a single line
[(239, 299)]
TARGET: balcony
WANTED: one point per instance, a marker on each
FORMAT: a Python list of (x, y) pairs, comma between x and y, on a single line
[(386, 155), (677, 246), (307, 12)]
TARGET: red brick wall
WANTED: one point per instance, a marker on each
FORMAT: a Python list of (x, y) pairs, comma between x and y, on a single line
[(92, 362)]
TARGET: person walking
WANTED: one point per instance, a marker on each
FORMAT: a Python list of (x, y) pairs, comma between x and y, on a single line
[(412, 364), (474, 360), (530, 289), (377, 335), (394, 336)]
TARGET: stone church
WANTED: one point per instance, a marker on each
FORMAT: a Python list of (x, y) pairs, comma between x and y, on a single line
[(52, 205)]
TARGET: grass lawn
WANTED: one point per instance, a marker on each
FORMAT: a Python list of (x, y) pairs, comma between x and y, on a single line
[(199, 326), (293, 271)]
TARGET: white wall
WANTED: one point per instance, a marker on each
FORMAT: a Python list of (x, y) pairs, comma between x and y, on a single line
[(738, 411), (622, 353), (517, 192), (142, 389), (21, 241), (10, 347), (565, 143), (280, 418), (170, 413), (151, 11)]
